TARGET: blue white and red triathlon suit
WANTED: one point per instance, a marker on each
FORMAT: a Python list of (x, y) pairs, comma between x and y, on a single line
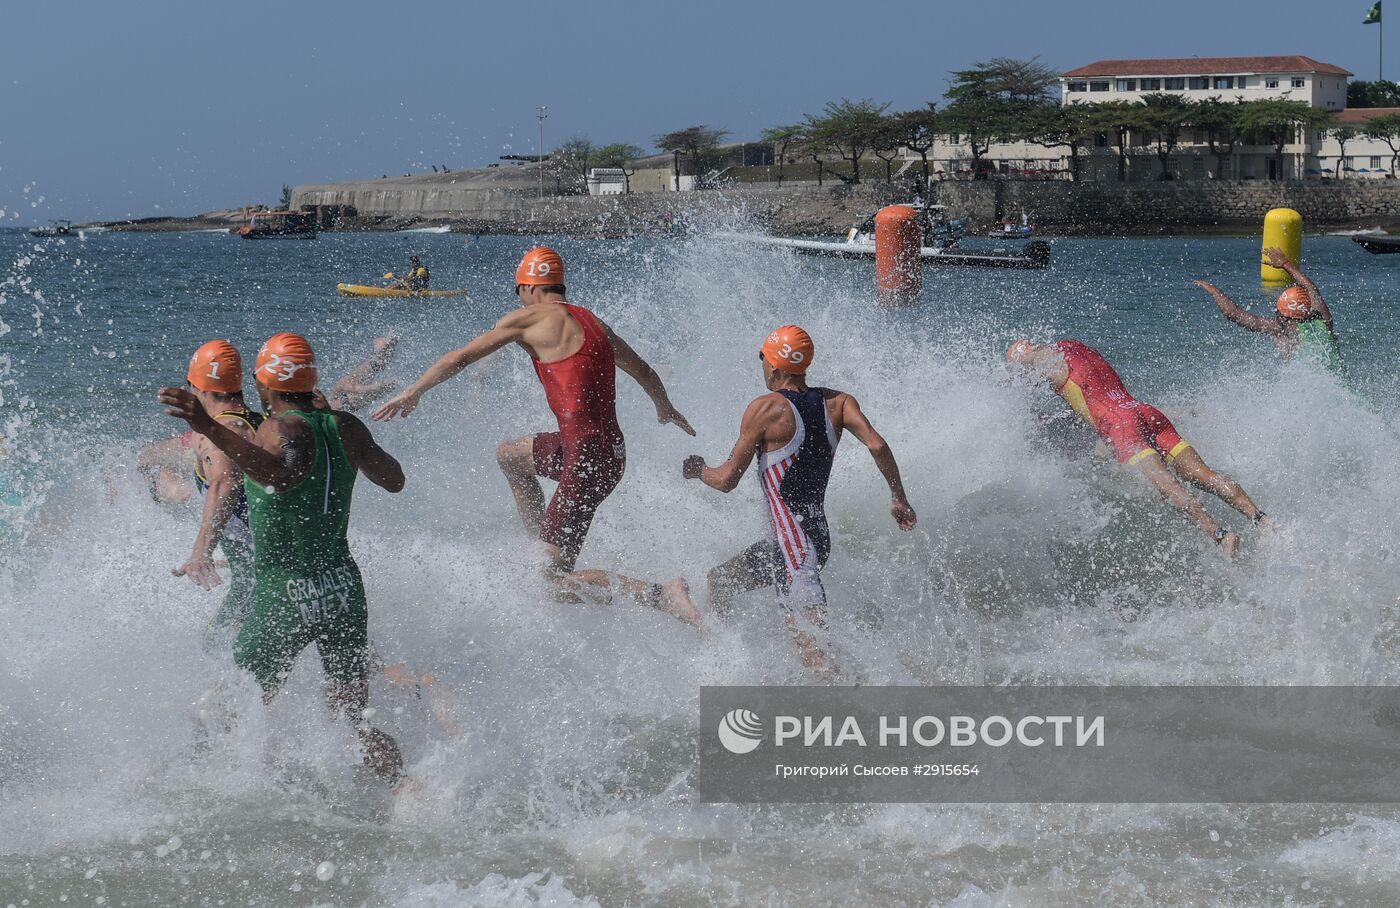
[(587, 455), (794, 482)]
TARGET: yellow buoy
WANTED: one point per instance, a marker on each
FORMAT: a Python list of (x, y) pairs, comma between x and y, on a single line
[(1283, 229)]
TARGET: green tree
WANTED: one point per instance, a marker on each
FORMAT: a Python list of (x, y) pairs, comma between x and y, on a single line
[(849, 128), (1053, 125), (920, 130), (993, 100), (1163, 117), (1118, 119), (1220, 120), (1343, 133), (1278, 123), (697, 143), (619, 155), (1386, 129), (782, 138), (816, 148), (1380, 93), (569, 163), (286, 196), (888, 144)]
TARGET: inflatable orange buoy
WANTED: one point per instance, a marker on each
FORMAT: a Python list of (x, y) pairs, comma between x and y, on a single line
[(899, 272)]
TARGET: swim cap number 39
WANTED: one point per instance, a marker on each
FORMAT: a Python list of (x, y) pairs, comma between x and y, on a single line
[(789, 349)]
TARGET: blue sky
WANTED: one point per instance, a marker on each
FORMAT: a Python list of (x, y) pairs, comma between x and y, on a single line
[(110, 109)]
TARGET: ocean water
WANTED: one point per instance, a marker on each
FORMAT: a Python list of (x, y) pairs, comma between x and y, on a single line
[(570, 780)]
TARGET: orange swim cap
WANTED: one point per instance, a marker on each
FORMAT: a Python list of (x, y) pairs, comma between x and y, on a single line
[(541, 267), (789, 349), (1294, 303), (217, 367), (286, 363)]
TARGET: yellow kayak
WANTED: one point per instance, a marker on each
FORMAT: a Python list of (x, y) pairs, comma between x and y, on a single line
[(366, 290)]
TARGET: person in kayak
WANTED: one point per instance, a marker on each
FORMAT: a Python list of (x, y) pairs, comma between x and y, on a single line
[(299, 472), (1138, 434), (1302, 324), (576, 357), (215, 375), (793, 430), (415, 279)]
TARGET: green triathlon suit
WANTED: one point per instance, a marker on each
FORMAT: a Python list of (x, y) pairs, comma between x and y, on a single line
[(237, 546), (1318, 346), (309, 587)]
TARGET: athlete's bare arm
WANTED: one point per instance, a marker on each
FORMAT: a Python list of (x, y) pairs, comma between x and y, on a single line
[(379, 466), (643, 374), (169, 454), (1236, 314), (754, 431), (850, 416), (510, 329), (275, 457), (225, 480), (1276, 258)]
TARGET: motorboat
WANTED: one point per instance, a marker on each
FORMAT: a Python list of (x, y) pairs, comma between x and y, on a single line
[(941, 243), (1008, 229), (268, 224), (55, 228), (1378, 243)]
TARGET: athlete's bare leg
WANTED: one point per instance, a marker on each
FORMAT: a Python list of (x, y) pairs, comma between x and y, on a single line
[(517, 460), (813, 658), (1176, 494), (672, 597), (382, 752), (1193, 469), (733, 577)]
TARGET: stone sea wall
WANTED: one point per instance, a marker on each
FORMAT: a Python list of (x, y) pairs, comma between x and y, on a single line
[(1058, 206), (1066, 207)]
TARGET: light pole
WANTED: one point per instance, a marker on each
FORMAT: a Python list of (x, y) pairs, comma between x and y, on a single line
[(540, 115)]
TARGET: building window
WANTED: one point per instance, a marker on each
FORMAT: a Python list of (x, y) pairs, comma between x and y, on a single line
[(1101, 140), (1078, 86), (1175, 84), (1299, 82), (1199, 82), (1375, 162), (1271, 83), (1226, 82), (1151, 84), (1242, 82), (1127, 84), (1099, 86)]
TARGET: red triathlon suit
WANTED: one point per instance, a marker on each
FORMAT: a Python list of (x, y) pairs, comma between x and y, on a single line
[(587, 455), (1133, 429)]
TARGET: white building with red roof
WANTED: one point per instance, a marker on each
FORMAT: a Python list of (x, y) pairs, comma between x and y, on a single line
[(1312, 154), (1293, 78)]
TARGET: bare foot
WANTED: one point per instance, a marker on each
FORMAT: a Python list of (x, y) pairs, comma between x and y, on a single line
[(1231, 545), (1267, 524), (675, 600)]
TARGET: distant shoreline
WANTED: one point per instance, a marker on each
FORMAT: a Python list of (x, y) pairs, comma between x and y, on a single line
[(1057, 208)]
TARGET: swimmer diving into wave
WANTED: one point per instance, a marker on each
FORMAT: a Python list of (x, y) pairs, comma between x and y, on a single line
[(1138, 434)]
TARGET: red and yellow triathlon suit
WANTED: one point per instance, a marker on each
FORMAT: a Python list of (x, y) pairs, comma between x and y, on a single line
[(1132, 428)]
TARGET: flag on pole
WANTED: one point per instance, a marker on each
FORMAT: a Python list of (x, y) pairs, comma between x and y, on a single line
[(1374, 16)]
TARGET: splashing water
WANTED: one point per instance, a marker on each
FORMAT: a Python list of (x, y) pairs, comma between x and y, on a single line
[(570, 784)]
